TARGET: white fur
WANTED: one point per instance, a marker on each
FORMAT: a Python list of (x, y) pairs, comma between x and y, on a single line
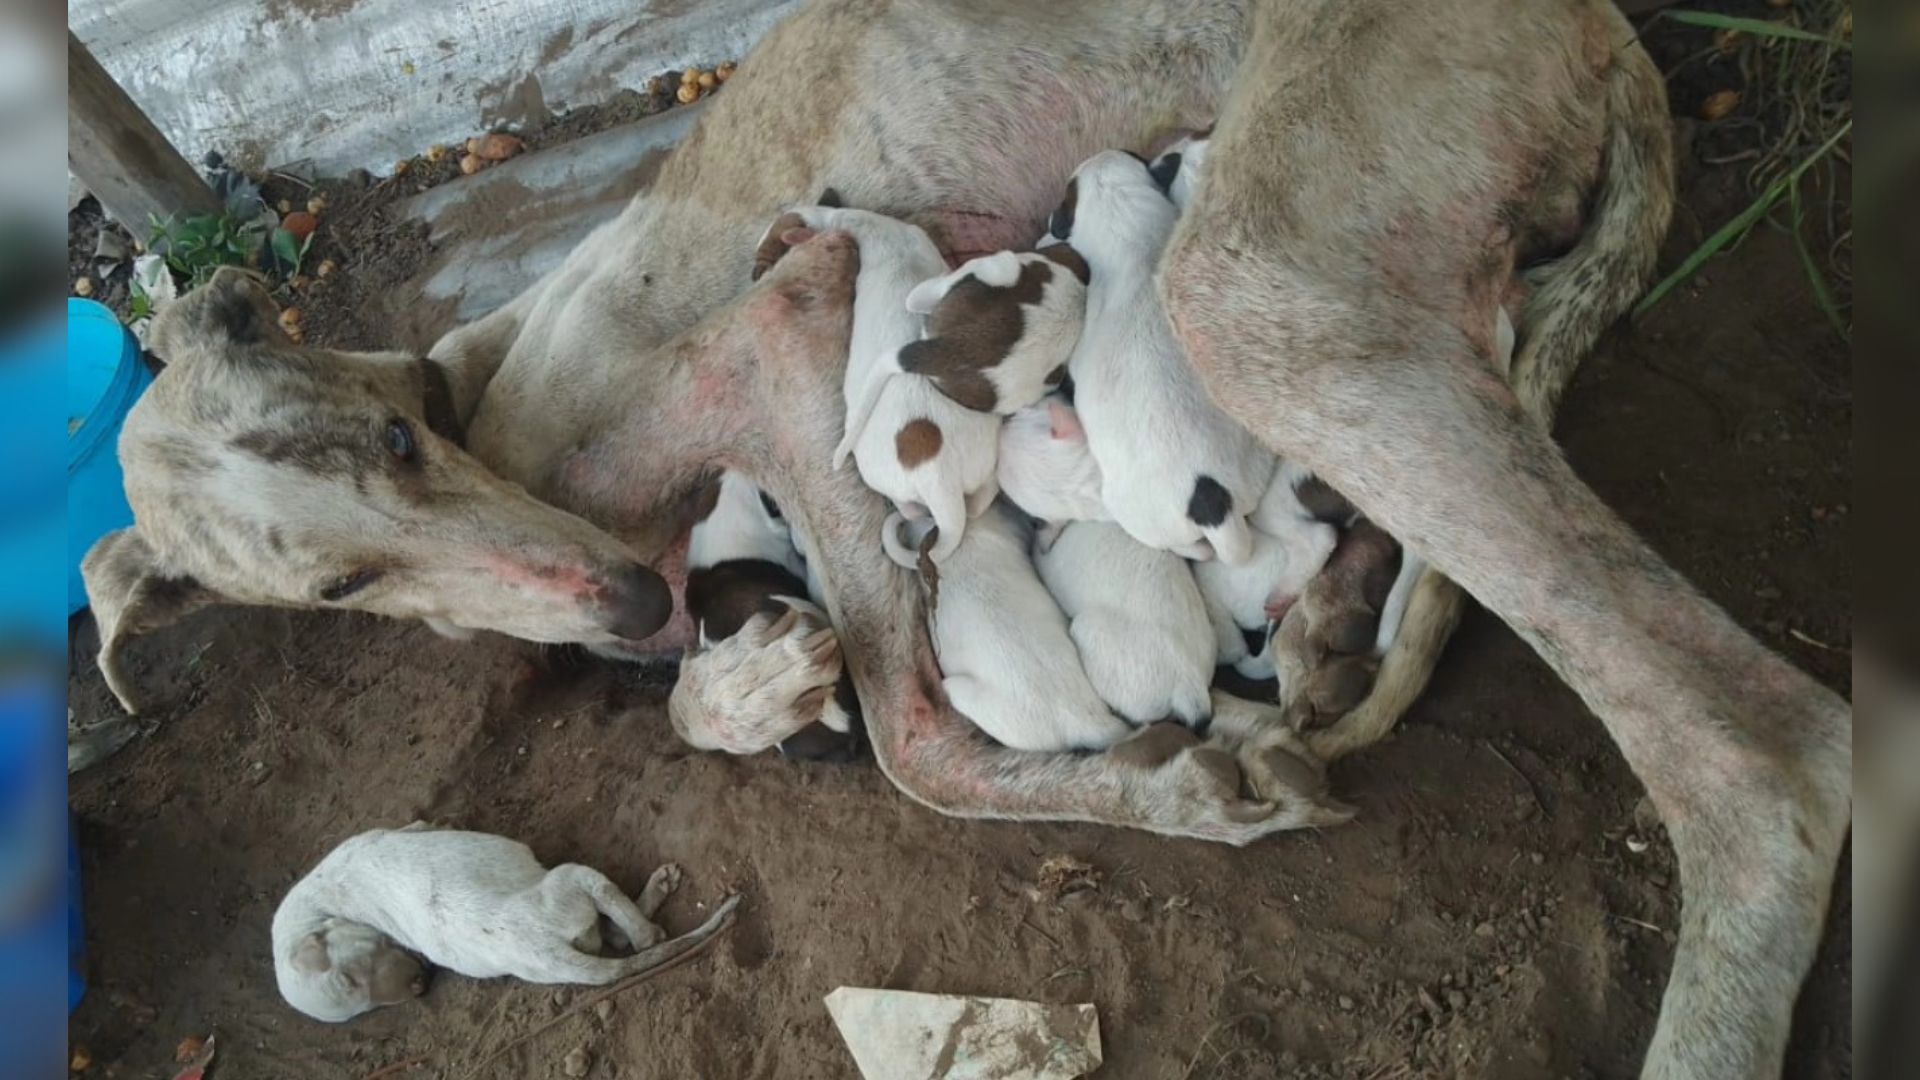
[(473, 903), (1009, 662), (1045, 467), (1149, 421), (1137, 618), (739, 527), (1289, 548), (1048, 332)]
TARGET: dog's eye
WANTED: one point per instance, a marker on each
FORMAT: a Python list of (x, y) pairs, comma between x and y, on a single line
[(400, 440), (342, 587)]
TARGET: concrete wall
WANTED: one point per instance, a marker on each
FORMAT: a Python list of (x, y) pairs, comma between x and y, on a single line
[(363, 83)]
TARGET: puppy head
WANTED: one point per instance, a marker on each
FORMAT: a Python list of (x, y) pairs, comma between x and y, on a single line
[(1001, 328), (344, 969)]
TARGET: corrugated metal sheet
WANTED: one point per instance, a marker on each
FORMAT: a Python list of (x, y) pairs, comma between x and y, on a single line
[(363, 83)]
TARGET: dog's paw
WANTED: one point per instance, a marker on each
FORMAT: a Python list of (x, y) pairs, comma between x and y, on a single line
[(1322, 650), (749, 692)]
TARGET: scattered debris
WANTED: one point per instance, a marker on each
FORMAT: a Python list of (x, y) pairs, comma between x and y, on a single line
[(898, 1035), (300, 223), (1064, 874), (195, 1059), (80, 1060)]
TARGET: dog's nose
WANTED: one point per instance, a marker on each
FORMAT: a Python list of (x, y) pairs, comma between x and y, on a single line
[(640, 602)]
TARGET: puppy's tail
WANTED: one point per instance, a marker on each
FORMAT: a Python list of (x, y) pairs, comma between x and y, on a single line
[(1232, 540), (948, 505), (652, 959), (896, 548), (1574, 298), (1432, 613), (862, 408)]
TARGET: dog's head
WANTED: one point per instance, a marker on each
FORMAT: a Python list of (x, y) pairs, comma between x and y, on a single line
[(1112, 201), (1045, 466), (346, 968), (1001, 328), (264, 472)]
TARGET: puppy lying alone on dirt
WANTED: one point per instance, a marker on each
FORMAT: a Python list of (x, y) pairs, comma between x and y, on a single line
[(473, 903)]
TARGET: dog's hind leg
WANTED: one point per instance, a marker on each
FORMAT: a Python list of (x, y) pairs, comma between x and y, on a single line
[(564, 885), (1402, 408)]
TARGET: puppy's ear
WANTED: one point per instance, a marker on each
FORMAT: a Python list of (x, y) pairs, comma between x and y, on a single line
[(1065, 422), (830, 197), (1060, 225), (1164, 169), (1064, 255), (132, 592), (927, 295), (780, 237), (310, 956), (232, 308)]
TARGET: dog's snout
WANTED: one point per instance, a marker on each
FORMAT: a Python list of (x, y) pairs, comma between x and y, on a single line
[(639, 600)]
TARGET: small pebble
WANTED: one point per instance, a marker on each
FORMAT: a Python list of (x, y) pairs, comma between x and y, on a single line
[(1456, 1000), (317, 205), (83, 287), (603, 1009), (688, 93), (1502, 970), (1485, 929), (576, 1062), (1346, 1003)]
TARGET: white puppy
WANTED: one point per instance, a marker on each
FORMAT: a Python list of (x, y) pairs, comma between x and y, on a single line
[(1177, 472), (1009, 663), (911, 443), (1001, 328), (1138, 620), (1046, 469), (1243, 602), (473, 903)]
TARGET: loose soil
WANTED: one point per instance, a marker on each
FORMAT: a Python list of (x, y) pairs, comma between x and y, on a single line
[(1503, 906)]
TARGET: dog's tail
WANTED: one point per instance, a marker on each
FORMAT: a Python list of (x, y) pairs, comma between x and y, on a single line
[(896, 548), (1574, 298), (1432, 614), (657, 957), (861, 410)]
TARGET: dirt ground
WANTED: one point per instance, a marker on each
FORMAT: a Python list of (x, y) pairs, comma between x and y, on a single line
[(1501, 908)]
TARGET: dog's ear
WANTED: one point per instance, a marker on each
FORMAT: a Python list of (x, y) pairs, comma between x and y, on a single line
[(1164, 169), (1060, 225), (310, 956), (780, 237), (231, 309), (1064, 255), (131, 593)]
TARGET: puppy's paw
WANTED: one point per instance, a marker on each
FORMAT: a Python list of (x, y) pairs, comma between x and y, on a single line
[(664, 881), (748, 692)]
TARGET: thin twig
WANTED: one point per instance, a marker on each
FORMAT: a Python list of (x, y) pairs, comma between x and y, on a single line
[(1531, 790), (290, 176), (1637, 922), (589, 1002), (396, 1068), (1795, 632), (1051, 940)]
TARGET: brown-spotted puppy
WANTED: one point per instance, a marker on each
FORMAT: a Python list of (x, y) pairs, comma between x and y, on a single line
[(767, 669), (1001, 328), (911, 443), (1177, 472)]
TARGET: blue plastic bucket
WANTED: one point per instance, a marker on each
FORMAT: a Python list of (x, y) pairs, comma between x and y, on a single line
[(105, 376)]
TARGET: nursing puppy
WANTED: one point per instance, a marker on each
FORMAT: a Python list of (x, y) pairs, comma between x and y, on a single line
[(1179, 167), (1177, 472), (1046, 469), (767, 670), (1001, 328), (1244, 602), (472, 903), (1009, 662), (910, 442), (1136, 616)]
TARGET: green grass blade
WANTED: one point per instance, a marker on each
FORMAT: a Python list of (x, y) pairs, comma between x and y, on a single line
[(1736, 228), (1756, 27), (1822, 295)]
